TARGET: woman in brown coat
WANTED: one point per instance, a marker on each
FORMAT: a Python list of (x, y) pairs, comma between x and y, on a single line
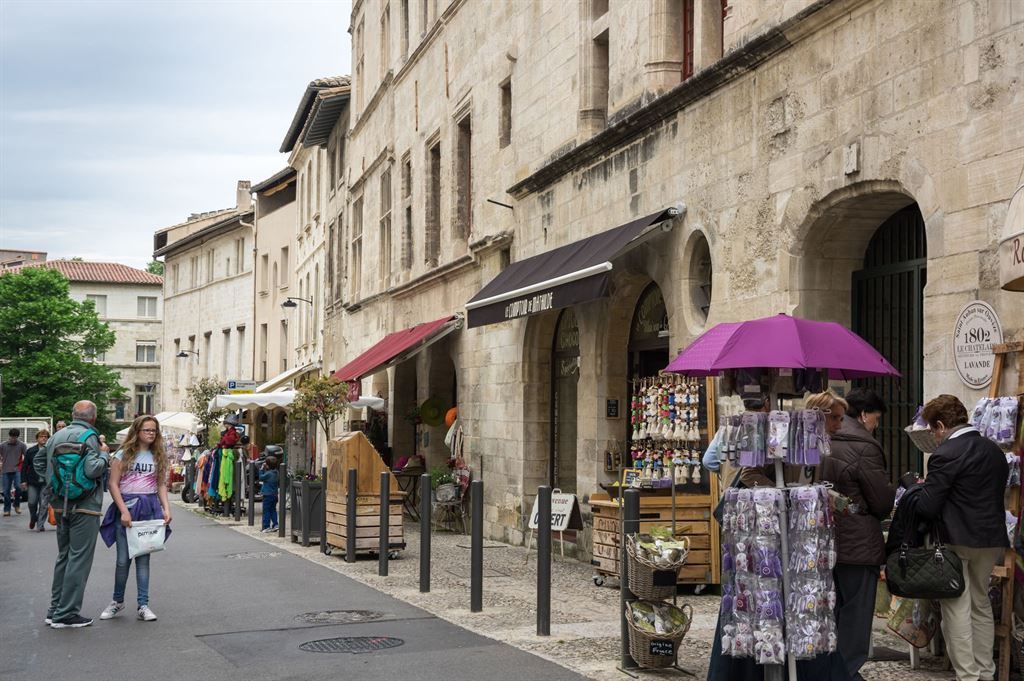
[(857, 470)]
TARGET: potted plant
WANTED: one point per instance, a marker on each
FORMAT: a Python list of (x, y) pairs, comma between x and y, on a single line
[(443, 483)]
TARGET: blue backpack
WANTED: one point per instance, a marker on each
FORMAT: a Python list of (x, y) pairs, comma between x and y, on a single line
[(68, 479)]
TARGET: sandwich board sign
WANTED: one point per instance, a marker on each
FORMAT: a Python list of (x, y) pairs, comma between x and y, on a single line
[(565, 512)]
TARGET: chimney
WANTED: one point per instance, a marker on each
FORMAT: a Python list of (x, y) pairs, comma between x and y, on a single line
[(243, 202)]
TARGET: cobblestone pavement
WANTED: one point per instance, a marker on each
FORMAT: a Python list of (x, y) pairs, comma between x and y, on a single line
[(584, 622)]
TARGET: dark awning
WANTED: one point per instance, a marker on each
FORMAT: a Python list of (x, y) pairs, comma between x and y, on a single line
[(565, 276), (397, 347)]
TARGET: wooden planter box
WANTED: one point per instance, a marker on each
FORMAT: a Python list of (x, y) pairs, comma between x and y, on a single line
[(353, 450)]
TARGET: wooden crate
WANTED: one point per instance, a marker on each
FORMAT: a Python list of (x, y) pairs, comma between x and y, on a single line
[(367, 524)]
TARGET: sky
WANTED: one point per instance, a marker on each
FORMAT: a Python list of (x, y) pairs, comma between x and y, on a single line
[(118, 118)]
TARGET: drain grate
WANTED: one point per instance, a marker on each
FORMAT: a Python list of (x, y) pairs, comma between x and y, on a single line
[(351, 644), (338, 616), (253, 555)]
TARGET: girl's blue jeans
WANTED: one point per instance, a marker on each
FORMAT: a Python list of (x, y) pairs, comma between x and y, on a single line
[(124, 564), (269, 510)]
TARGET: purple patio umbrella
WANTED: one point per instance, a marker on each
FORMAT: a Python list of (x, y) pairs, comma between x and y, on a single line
[(782, 342)]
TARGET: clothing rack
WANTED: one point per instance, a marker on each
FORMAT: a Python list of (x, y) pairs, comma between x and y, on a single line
[(1005, 571)]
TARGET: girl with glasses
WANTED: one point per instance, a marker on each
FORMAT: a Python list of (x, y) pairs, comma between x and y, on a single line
[(138, 485)]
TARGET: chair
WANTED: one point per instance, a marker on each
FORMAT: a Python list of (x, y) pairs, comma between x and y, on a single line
[(447, 513)]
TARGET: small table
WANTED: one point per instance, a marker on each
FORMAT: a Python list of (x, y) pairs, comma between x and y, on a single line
[(409, 482)]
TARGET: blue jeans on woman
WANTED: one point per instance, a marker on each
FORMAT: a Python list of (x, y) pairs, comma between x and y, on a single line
[(12, 481), (269, 510), (124, 564)]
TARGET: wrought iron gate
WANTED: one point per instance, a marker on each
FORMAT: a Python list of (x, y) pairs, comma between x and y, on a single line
[(888, 302)]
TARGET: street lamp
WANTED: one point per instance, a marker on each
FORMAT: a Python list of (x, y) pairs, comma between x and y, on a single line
[(289, 302), (186, 353)]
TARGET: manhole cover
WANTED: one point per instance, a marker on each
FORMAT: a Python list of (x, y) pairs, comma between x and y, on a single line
[(339, 616), (253, 555), (351, 644)]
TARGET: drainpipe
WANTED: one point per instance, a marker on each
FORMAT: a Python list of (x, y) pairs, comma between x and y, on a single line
[(255, 252)]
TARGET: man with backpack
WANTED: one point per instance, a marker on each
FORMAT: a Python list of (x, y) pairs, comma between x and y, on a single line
[(72, 464)]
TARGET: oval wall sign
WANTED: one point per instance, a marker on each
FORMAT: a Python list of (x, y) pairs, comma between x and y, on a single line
[(977, 329)]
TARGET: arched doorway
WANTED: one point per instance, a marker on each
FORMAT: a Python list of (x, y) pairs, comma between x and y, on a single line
[(888, 312), (649, 334), (565, 375)]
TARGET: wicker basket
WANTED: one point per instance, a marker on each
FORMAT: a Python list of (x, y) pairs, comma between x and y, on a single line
[(922, 439), (640, 641), (641, 572)]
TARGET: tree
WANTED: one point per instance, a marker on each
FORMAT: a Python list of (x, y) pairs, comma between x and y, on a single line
[(197, 401), (46, 340), (155, 267), (322, 399)]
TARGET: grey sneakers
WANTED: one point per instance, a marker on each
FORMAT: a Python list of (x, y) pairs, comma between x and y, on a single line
[(111, 610)]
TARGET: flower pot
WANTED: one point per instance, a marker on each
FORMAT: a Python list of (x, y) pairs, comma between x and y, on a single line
[(446, 492)]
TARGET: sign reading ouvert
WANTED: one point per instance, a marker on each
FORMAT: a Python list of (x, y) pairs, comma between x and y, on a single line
[(977, 329)]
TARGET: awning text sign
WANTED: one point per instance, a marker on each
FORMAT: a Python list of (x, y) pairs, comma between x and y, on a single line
[(976, 330), (565, 513)]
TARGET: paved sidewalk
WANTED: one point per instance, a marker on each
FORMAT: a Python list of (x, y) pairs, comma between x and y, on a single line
[(584, 623)]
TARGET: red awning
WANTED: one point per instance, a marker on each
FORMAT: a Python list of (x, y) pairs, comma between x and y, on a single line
[(395, 348)]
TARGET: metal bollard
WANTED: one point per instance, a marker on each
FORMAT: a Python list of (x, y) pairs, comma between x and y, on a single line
[(350, 518), (476, 554), (303, 507), (630, 525), (425, 533), (237, 496), (252, 493), (544, 560), (283, 488), (385, 531), (323, 510)]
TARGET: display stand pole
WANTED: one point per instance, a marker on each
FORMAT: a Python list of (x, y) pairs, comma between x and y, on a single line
[(630, 525), (237, 496), (672, 474), (252, 493), (775, 671)]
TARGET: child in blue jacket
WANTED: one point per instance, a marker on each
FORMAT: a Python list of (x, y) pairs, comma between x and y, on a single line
[(269, 489)]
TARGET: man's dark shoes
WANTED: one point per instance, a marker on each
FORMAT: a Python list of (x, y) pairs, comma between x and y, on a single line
[(73, 622)]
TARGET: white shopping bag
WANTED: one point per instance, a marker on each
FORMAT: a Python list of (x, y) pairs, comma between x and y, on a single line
[(145, 537)]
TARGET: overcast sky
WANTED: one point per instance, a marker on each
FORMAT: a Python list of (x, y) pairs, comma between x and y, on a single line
[(118, 118)]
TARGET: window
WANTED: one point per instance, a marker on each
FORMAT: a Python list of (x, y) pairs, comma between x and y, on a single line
[(175, 277), (688, 38), (177, 351), (339, 259), (505, 122), (317, 158), (239, 255), (263, 352), (407, 241), (119, 411), (264, 271), (210, 264), (464, 179), (357, 247), (284, 345), (360, 64), (225, 352), (284, 266), (404, 37), (309, 191), (193, 279), (594, 68), (385, 41), (424, 16), (100, 303), (207, 355), (329, 261), (143, 398), (385, 228), (96, 357), (145, 352), (332, 168), (147, 306), (432, 232), (240, 350), (340, 164)]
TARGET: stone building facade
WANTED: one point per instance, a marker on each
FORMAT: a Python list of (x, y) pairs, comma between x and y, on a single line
[(846, 160), (208, 298)]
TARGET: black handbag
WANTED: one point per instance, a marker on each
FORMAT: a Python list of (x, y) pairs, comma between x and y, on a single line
[(927, 573)]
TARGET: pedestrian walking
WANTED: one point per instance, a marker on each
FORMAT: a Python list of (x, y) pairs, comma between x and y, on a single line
[(12, 452), (72, 464), (270, 479), (857, 470), (138, 485), (963, 495), (33, 484)]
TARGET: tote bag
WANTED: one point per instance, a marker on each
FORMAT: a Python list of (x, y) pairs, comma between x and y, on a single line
[(146, 537)]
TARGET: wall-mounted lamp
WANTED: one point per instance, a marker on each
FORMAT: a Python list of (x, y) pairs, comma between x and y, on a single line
[(289, 302), (186, 353)]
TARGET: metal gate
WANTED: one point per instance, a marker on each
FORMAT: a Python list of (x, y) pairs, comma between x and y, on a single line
[(888, 302)]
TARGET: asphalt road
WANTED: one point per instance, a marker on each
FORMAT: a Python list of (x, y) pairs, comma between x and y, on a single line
[(223, 617)]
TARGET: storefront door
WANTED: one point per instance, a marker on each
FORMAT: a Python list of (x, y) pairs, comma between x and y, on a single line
[(565, 368), (888, 312)]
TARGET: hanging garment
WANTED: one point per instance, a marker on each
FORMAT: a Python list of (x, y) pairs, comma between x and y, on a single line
[(226, 486)]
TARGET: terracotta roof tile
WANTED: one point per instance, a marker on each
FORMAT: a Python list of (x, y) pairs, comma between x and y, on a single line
[(101, 272)]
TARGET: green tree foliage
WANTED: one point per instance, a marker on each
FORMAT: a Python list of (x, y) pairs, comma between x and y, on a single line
[(155, 267), (197, 401), (322, 399), (46, 340)]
